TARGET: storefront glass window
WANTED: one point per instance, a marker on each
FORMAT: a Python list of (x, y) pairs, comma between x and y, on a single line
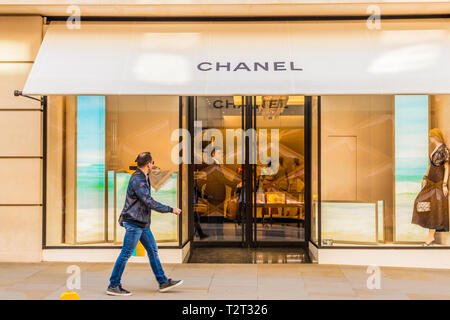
[(375, 152), (356, 162), (92, 147)]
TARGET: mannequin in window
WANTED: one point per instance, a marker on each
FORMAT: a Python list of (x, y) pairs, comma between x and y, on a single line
[(431, 205)]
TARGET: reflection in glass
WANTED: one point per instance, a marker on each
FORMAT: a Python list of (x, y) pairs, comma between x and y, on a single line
[(93, 144), (218, 208), (280, 186), (144, 123)]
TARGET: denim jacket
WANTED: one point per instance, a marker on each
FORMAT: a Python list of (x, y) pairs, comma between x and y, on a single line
[(139, 202)]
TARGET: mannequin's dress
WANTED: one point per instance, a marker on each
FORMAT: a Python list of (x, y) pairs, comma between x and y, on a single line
[(431, 206)]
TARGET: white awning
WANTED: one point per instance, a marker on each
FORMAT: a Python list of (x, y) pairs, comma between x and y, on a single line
[(219, 58)]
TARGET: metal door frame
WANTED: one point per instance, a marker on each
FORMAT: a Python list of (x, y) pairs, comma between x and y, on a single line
[(249, 234)]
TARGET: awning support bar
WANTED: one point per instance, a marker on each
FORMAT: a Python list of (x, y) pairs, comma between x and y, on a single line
[(18, 93)]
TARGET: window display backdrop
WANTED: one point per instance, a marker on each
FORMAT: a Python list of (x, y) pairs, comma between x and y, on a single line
[(90, 170), (411, 162)]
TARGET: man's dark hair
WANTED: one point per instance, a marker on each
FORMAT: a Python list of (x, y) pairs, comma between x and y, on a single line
[(143, 159)]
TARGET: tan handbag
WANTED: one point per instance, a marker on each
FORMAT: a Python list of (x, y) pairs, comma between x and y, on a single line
[(423, 206)]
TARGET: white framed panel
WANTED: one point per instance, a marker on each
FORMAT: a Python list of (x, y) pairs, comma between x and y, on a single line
[(21, 133), (20, 233), (21, 181)]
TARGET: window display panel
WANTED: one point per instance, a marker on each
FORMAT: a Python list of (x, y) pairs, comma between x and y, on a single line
[(362, 229), (96, 145)]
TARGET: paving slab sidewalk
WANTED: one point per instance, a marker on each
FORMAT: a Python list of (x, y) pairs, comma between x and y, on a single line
[(47, 280)]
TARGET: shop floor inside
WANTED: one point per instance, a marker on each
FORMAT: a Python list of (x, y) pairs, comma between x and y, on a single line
[(269, 255), (267, 231)]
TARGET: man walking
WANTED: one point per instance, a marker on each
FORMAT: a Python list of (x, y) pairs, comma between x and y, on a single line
[(135, 218)]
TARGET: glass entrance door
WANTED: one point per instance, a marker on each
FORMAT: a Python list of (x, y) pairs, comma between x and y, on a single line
[(249, 177), (277, 206), (218, 167)]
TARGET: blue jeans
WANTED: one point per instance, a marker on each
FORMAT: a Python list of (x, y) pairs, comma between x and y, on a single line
[(130, 241)]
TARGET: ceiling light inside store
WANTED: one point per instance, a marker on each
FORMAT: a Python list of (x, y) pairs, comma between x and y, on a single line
[(292, 100), (272, 106)]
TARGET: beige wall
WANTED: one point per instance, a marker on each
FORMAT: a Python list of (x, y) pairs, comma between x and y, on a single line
[(20, 143), (357, 150), (143, 123), (440, 118)]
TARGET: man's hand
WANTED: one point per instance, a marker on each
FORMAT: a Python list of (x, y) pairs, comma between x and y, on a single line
[(176, 211)]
